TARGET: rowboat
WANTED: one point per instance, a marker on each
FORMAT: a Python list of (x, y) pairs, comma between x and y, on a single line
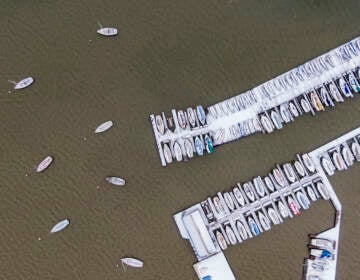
[(249, 192), (259, 186), (315, 101), (201, 114), (335, 93), (284, 112), (347, 156), (231, 235), (293, 206), (104, 127), (279, 177), (24, 83), (311, 193), (219, 136), (218, 205), (338, 161), (354, 83), (116, 180), (266, 124), (305, 105), (107, 31), (181, 119), (45, 163), (344, 88), (264, 221), (274, 216), (221, 240), (167, 153), (132, 262), (229, 202), (238, 196), (191, 116), (282, 209), (327, 165), (299, 168), (269, 184), (177, 151), (60, 226), (309, 164), (199, 147), (323, 190), (355, 148), (289, 172), (253, 226), (275, 117), (294, 111), (208, 144), (242, 230), (188, 148), (160, 124), (303, 200)]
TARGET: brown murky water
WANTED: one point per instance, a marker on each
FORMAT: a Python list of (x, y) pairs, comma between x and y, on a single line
[(168, 54)]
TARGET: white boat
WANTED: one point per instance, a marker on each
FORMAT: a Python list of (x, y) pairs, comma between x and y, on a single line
[(256, 124), (104, 127), (354, 83), (325, 97), (305, 105), (275, 117), (311, 193), (303, 200), (45, 163), (188, 148), (201, 114), (160, 124), (60, 226), (279, 177), (327, 165), (24, 83), (316, 102), (116, 180), (181, 119), (282, 209), (136, 263), (107, 31), (253, 226), (293, 206), (221, 240), (218, 205), (167, 153), (334, 92), (294, 111), (242, 230), (289, 172), (219, 136), (355, 148), (323, 243), (231, 235), (249, 192), (238, 196), (264, 221), (299, 168), (323, 190), (269, 184), (284, 112), (309, 164), (199, 147), (274, 216), (259, 186), (229, 202), (344, 87), (347, 156), (338, 161), (191, 116), (266, 123), (177, 151)]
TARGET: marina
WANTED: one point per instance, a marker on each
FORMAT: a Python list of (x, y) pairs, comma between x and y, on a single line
[(215, 223), (312, 87)]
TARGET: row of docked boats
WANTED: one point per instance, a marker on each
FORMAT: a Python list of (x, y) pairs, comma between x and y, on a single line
[(241, 129), (342, 156)]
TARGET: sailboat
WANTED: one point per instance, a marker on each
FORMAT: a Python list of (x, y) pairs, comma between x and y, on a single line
[(167, 153), (107, 31), (199, 147), (355, 148), (283, 210), (266, 123), (264, 221), (309, 164), (279, 177), (354, 83), (221, 240), (315, 100), (269, 184), (335, 93), (239, 196), (104, 127), (327, 165), (347, 155), (259, 186), (274, 216), (305, 105), (181, 119), (231, 235), (229, 202), (276, 119), (303, 200), (242, 230), (191, 116), (136, 263), (311, 193), (177, 151), (60, 226), (299, 168), (289, 172), (323, 190), (344, 88), (45, 163), (294, 111), (24, 83), (188, 148), (160, 124)]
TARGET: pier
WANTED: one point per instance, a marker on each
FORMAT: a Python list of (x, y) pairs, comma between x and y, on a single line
[(225, 219), (309, 88)]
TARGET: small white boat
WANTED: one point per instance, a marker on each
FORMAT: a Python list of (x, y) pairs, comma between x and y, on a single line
[(316, 102), (266, 123), (303, 200), (354, 83), (279, 177), (24, 83), (60, 226), (116, 180), (229, 202), (221, 240), (231, 235), (323, 243), (347, 156), (160, 124), (275, 117), (104, 127), (305, 105), (355, 148), (191, 116), (219, 136), (323, 190), (274, 216), (238, 196), (327, 165), (177, 151), (293, 206), (188, 148), (107, 31), (344, 87), (264, 221), (249, 192), (338, 161), (199, 147), (289, 172), (136, 263), (283, 210), (284, 112), (309, 164), (256, 124), (311, 193), (294, 111), (334, 92), (181, 119), (201, 114), (299, 168), (45, 163), (259, 186), (218, 205), (269, 184), (253, 226), (167, 153), (242, 230)]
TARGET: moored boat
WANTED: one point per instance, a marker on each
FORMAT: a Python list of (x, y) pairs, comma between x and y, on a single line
[(354, 83), (181, 119), (60, 226), (274, 216), (294, 111), (299, 168), (160, 124), (188, 148), (347, 156), (275, 117), (355, 148), (221, 240), (305, 105), (284, 112), (335, 94), (253, 226), (303, 200), (323, 190), (219, 136), (117, 181), (344, 87), (208, 144), (136, 263), (107, 31), (218, 205), (242, 230), (323, 243), (229, 202), (231, 235), (259, 186), (315, 101), (327, 165), (293, 206), (325, 97), (239, 196), (309, 164), (199, 147), (289, 172), (249, 192), (266, 123), (167, 153), (201, 114), (191, 116), (44, 164), (338, 161), (104, 127), (269, 184), (279, 177), (311, 193), (264, 221), (282, 209), (24, 83), (177, 151)]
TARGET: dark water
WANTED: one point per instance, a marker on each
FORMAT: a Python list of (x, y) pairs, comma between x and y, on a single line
[(168, 54)]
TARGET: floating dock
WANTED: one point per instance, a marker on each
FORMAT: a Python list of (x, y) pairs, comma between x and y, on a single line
[(253, 207), (309, 88)]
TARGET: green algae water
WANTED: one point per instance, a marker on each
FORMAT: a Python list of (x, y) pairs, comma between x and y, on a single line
[(168, 54)]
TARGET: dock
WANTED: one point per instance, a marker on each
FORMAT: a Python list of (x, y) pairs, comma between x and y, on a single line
[(312, 87), (203, 223)]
